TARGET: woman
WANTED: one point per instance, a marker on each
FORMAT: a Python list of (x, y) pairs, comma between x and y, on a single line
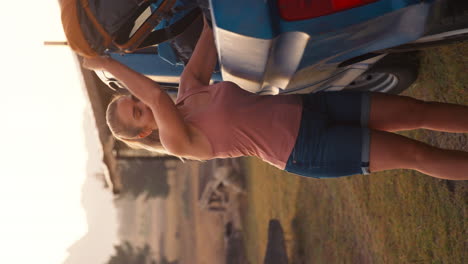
[(321, 135)]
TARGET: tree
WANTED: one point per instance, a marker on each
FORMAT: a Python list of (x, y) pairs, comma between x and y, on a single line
[(127, 254), (165, 261), (144, 177)]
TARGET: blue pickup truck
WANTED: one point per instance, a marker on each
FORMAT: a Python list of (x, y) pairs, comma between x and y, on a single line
[(304, 46)]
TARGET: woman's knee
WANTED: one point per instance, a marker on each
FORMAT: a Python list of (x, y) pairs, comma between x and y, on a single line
[(415, 154), (394, 112), (393, 151)]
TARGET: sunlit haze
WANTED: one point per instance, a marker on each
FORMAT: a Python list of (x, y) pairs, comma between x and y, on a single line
[(43, 157)]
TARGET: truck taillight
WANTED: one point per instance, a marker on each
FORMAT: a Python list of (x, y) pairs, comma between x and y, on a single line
[(304, 9)]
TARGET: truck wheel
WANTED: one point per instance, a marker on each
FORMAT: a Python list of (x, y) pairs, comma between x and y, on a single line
[(393, 74)]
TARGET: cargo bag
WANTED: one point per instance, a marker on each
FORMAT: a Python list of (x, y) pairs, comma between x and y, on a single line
[(97, 27)]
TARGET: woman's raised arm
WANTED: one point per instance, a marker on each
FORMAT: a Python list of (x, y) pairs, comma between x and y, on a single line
[(202, 62), (174, 133), (139, 85)]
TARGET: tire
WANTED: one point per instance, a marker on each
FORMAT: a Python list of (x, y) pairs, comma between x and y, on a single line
[(393, 74)]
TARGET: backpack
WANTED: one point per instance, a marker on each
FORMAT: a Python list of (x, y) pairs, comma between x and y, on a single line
[(96, 27)]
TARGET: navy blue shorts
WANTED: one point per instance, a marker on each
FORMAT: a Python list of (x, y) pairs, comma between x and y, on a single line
[(333, 138)]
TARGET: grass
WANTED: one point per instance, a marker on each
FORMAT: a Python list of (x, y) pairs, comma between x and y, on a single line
[(390, 217)]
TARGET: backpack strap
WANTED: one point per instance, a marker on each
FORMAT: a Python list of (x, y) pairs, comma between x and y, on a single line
[(97, 25), (167, 33), (145, 30)]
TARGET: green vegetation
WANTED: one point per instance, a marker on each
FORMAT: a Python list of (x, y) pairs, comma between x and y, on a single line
[(127, 253), (389, 217), (144, 177), (186, 195)]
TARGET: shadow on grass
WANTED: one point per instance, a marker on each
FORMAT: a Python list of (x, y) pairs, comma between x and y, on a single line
[(276, 248)]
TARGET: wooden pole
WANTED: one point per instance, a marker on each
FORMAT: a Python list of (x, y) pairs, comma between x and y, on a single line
[(55, 43)]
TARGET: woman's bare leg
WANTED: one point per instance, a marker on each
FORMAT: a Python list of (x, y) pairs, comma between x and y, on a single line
[(392, 151), (396, 113)]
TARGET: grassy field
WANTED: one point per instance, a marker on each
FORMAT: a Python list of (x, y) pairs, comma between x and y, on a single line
[(390, 217)]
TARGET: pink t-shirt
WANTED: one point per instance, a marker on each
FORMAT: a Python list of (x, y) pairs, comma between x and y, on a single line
[(239, 123)]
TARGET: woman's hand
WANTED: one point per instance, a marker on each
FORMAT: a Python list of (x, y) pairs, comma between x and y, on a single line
[(96, 63)]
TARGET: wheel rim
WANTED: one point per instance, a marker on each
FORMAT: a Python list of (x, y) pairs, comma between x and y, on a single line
[(376, 82)]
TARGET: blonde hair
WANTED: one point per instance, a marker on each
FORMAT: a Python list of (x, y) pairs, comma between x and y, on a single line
[(129, 135)]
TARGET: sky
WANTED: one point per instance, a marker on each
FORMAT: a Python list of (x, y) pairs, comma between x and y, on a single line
[(43, 155)]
